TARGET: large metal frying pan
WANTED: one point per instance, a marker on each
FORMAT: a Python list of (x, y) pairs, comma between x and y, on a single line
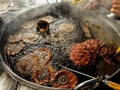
[(106, 25)]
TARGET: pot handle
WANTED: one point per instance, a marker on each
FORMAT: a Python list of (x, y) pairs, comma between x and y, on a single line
[(113, 16), (113, 85)]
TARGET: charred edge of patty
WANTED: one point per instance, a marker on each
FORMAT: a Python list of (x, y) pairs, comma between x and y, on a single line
[(12, 53), (49, 55), (25, 66), (64, 79), (42, 75)]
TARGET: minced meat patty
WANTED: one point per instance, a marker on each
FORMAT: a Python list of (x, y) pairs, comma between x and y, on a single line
[(26, 64), (15, 38), (81, 56), (86, 53), (14, 48)]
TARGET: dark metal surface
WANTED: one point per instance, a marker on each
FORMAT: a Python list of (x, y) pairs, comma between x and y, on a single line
[(1, 23)]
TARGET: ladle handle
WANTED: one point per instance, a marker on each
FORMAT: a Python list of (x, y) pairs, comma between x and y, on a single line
[(118, 50), (85, 83), (113, 85)]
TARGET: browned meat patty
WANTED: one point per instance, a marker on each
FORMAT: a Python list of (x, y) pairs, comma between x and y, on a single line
[(49, 19), (66, 27), (44, 55), (14, 48), (26, 64), (85, 53), (64, 79), (42, 75), (28, 25), (30, 37), (15, 38)]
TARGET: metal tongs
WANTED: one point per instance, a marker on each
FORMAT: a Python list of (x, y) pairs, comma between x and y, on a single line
[(96, 80), (105, 81)]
